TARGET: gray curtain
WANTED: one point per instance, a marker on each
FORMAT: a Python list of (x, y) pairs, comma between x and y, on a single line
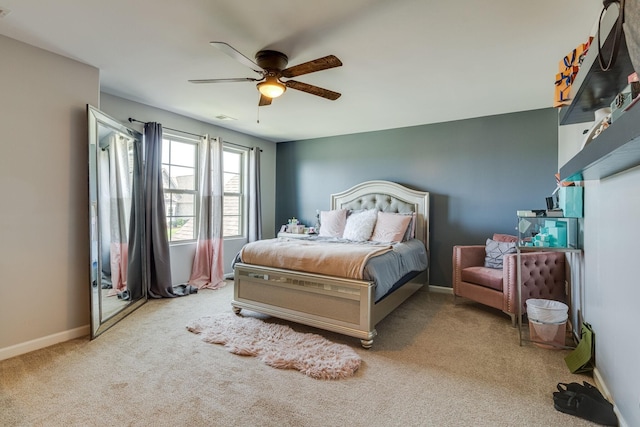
[(135, 271), (255, 210), (157, 243)]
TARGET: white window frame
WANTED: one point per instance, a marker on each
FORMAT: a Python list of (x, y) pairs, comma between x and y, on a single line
[(195, 192), (244, 188)]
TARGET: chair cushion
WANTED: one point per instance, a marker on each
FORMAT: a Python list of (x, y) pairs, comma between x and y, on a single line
[(483, 276)]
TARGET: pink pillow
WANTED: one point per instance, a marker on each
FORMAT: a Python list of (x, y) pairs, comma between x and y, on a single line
[(504, 238), (332, 223), (390, 227)]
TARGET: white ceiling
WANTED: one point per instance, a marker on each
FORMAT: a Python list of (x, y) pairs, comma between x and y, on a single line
[(406, 62)]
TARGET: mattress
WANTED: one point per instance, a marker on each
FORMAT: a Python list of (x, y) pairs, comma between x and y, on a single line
[(388, 269)]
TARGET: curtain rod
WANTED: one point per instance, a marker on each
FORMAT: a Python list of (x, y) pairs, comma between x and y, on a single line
[(131, 120)]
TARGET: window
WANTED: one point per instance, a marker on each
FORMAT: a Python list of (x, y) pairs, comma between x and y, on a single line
[(180, 185), (234, 210), (179, 180)]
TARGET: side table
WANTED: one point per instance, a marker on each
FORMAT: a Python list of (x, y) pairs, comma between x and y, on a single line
[(568, 291), (550, 234)]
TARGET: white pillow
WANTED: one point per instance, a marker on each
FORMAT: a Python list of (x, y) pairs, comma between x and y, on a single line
[(360, 225), (390, 227), (332, 223)]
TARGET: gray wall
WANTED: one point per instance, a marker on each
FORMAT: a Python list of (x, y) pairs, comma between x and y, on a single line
[(479, 172), (44, 267)]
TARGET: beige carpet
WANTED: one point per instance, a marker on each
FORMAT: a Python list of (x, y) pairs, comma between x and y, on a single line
[(433, 364)]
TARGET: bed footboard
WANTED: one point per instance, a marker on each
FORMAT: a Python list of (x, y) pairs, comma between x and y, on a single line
[(331, 303), (335, 304)]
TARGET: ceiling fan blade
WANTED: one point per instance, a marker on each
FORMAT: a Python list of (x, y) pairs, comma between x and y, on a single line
[(232, 52), (313, 90), (264, 100), (240, 79), (312, 66)]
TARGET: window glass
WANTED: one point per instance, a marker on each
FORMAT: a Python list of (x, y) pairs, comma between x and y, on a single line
[(180, 184), (179, 179), (234, 212)]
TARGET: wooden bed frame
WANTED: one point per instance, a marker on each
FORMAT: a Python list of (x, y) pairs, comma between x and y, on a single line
[(335, 304)]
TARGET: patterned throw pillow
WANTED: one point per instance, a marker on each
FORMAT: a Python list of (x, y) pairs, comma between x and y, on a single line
[(496, 251)]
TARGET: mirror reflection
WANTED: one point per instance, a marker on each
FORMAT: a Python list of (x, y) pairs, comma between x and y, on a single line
[(115, 174)]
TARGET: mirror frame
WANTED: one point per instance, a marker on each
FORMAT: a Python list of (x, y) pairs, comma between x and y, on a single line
[(100, 322)]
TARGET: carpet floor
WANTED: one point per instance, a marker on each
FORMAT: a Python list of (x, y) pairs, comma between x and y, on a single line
[(434, 363)]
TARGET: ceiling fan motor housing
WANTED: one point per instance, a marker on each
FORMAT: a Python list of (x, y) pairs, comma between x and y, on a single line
[(272, 60), (271, 65)]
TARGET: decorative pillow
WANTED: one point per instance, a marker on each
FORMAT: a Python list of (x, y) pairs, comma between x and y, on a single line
[(360, 225), (495, 252), (411, 229), (390, 227), (332, 223)]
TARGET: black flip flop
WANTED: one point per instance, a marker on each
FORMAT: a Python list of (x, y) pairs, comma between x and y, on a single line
[(585, 388), (585, 406)]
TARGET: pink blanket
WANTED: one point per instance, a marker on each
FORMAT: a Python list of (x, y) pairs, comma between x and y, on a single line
[(331, 259)]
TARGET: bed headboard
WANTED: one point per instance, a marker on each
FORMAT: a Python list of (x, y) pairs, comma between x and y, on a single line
[(388, 197)]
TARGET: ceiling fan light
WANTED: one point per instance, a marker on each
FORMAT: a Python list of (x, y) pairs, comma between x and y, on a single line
[(271, 88)]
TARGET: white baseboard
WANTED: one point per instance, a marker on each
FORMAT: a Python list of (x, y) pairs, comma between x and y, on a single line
[(441, 289), (602, 386), (38, 343)]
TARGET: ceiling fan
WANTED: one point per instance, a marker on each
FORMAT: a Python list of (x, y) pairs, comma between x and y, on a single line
[(270, 65)]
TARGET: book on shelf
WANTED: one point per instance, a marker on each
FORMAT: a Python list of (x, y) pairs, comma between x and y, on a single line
[(531, 213), (555, 213)]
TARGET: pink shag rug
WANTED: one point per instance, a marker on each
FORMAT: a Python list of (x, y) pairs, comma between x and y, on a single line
[(278, 345)]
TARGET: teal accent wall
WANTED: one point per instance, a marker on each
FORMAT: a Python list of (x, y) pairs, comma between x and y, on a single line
[(479, 172)]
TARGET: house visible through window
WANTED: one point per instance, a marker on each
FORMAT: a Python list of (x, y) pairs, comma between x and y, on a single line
[(180, 184), (234, 162)]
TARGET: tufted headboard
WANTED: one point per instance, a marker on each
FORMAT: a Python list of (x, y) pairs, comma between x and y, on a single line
[(388, 197)]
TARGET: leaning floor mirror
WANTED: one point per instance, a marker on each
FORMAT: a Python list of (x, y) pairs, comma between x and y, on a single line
[(118, 282)]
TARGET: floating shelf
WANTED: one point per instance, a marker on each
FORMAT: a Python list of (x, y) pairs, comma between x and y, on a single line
[(616, 149)]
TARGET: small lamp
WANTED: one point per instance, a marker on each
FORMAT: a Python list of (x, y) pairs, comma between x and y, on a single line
[(271, 87)]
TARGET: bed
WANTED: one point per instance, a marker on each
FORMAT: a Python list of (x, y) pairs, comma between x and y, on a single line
[(338, 304)]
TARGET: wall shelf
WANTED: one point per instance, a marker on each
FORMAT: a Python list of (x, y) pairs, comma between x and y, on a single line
[(616, 149), (593, 88)]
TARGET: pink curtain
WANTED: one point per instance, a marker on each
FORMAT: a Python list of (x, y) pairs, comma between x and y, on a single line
[(207, 270), (119, 191)]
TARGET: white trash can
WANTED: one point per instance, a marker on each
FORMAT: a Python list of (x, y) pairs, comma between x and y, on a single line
[(547, 322)]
